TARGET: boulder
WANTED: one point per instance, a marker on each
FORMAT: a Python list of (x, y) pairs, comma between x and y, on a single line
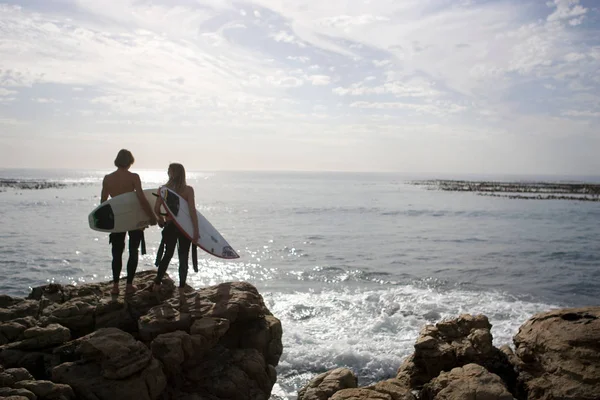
[(559, 355), (469, 382), (163, 318), (46, 389), (13, 308), (10, 376), (234, 301), (325, 385), (41, 337), (239, 374), (20, 393), (173, 349), (12, 331), (451, 344), (393, 387), (360, 394), (88, 383), (83, 342)]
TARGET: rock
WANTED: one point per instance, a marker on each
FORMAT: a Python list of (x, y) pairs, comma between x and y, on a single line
[(234, 301), (14, 398), (42, 337), (47, 389), (264, 334), (360, 394), (559, 354), (9, 376), (118, 353), (394, 388), (211, 328), (173, 349), (76, 314), (17, 308), (220, 341), (9, 392), (454, 343), (35, 362), (89, 384), (223, 372), (469, 382), (114, 313), (163, 319), (12, 331), (325, 385), (53, 293)]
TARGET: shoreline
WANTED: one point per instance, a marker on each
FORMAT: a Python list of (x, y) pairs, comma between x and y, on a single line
[(221, 342)]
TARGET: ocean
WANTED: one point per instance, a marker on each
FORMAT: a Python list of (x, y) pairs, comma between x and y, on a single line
[(353, 264)]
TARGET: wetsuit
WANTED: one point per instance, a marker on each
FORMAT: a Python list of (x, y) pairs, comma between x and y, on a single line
[(171, 236), (118, 246)]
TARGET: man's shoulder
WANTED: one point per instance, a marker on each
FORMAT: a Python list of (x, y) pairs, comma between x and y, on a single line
[(109, 176)]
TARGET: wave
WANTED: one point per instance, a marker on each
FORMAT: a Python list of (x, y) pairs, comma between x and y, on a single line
[(372, 331)]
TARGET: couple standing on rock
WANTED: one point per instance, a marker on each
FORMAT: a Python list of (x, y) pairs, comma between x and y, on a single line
[(123, 181)]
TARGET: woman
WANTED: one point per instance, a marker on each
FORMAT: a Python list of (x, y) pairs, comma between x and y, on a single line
[(171, 235)]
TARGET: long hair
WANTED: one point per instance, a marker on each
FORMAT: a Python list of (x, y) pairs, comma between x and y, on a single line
[(177, 180)]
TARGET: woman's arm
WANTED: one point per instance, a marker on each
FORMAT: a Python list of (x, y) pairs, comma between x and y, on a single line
[(159, 217), (192, 207)]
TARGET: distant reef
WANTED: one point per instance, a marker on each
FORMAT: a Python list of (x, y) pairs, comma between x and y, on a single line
[(33, 184), (519, 190)]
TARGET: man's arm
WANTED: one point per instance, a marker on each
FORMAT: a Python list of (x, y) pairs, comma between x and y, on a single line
[(137, 184), (104, 193)]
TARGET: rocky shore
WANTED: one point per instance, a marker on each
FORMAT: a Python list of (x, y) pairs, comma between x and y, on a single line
[(557, 357), (66, 342), (221, 342), (519, 190)]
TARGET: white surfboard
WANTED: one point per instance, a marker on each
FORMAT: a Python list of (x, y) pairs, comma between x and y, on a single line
[(210, 240), (122, 213)]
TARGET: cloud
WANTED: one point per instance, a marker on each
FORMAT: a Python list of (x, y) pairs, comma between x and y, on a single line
[(575, 113), (6, 92), (410, 88), (419, 108), (11, 121), (319, 80), (381, 63), (566, 9), (300, 59), (45, 100), (346, 21), (473, 77), (285, 37)]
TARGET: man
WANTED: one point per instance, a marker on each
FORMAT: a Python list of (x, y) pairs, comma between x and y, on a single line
[(116, 183)]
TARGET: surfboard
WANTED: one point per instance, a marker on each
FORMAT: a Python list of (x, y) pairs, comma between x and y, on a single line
[(122, 213), (210, 240)]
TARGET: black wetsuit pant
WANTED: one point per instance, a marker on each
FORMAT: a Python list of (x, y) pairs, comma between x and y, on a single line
[(171, 236), (118, 246)]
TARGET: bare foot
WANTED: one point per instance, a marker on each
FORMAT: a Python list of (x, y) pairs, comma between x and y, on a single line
[(181, 291), (115, 289), (131, 289)]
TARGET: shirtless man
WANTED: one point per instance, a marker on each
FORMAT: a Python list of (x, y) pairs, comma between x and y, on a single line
[(116, 183)]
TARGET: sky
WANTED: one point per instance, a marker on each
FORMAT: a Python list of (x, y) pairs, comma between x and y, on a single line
[(452, 86)]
